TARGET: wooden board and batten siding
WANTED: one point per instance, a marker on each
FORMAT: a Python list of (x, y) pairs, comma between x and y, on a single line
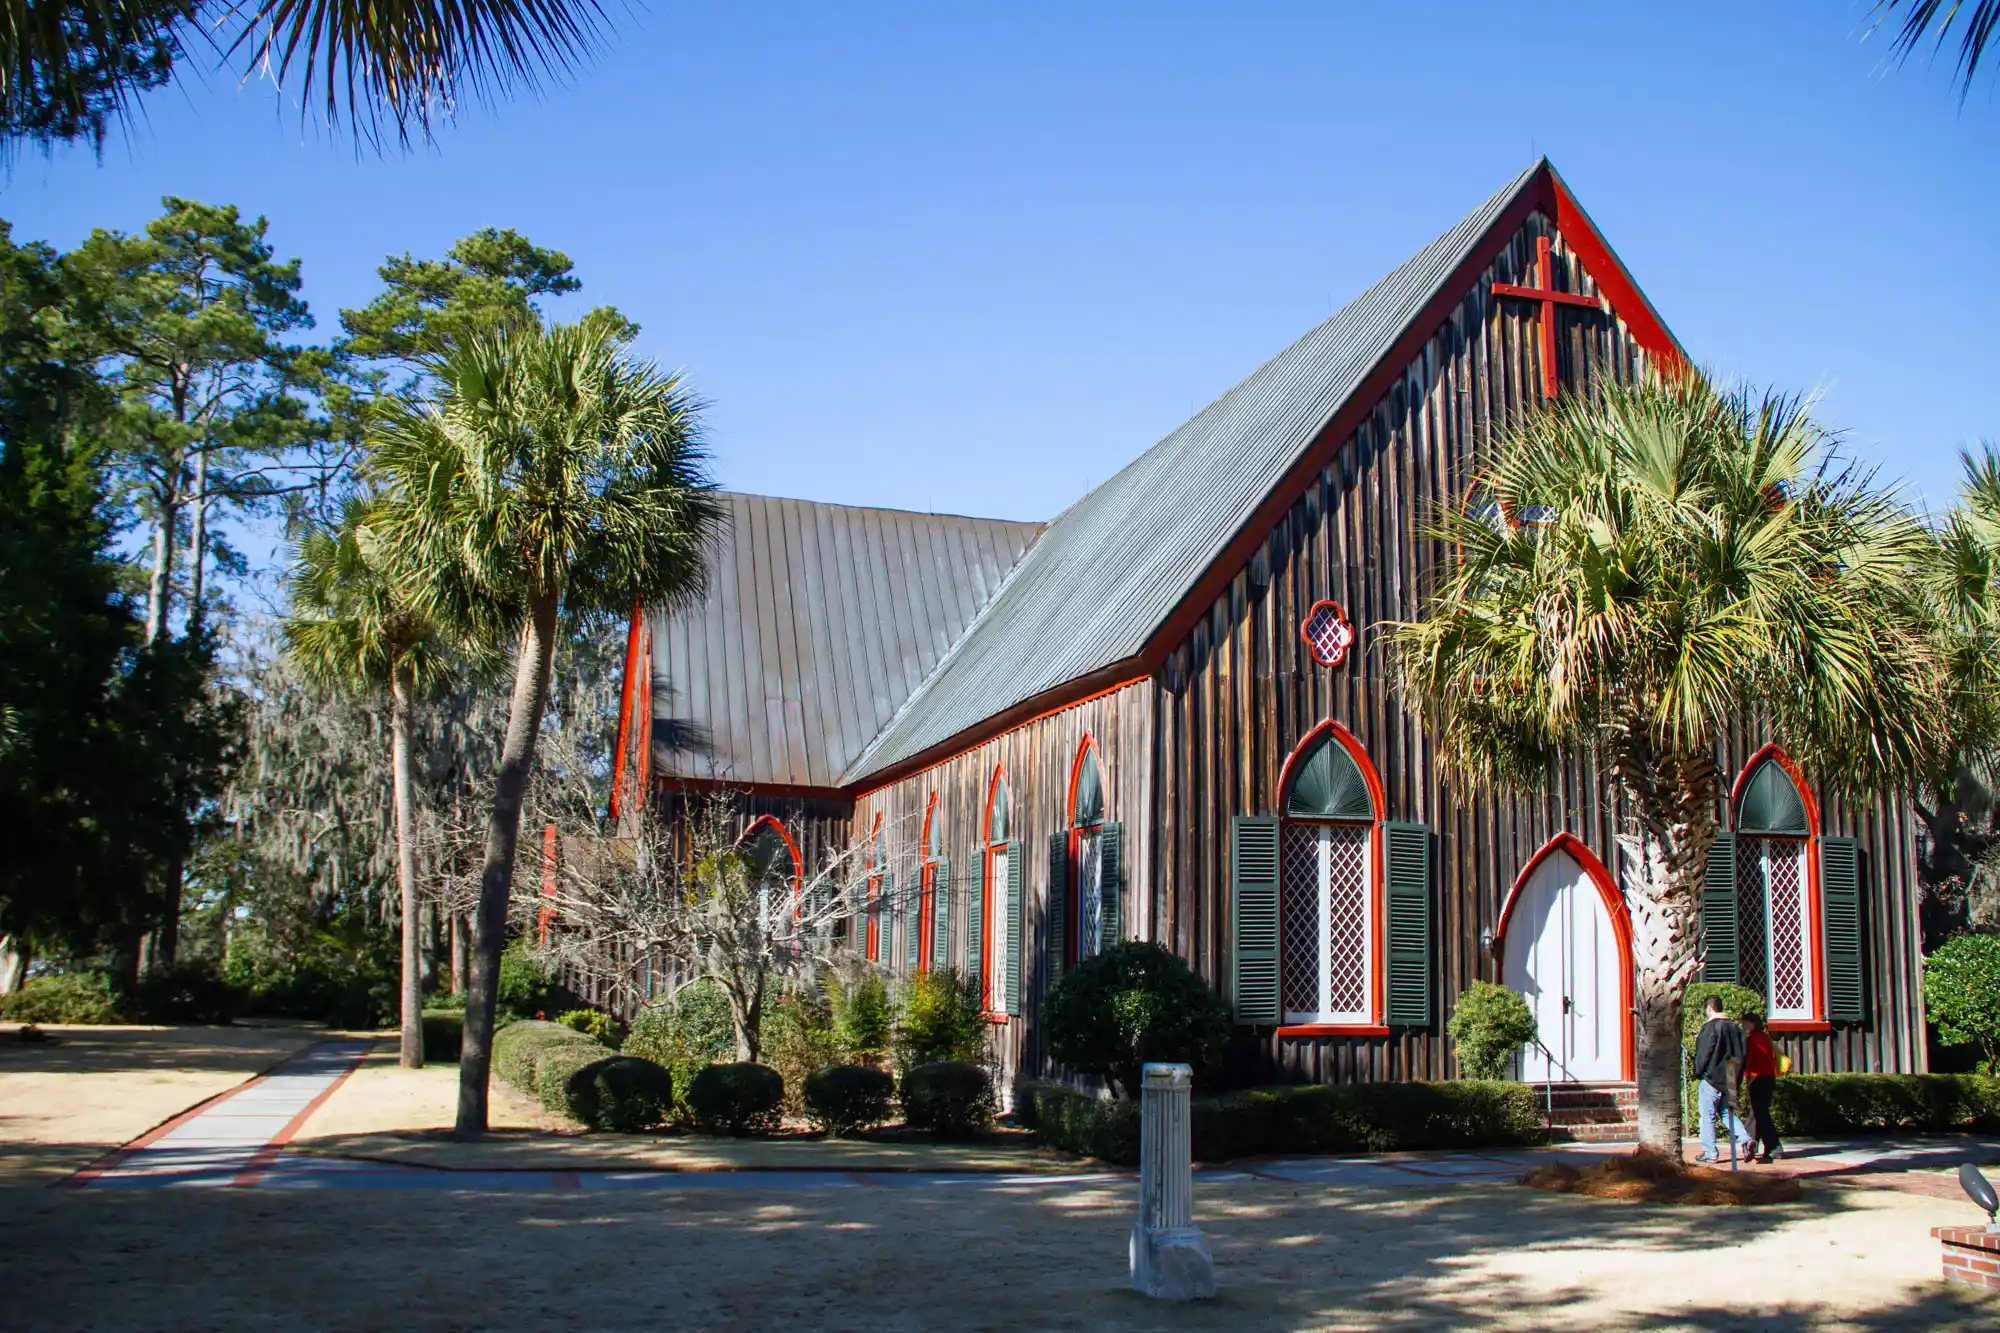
[(1241, 689)]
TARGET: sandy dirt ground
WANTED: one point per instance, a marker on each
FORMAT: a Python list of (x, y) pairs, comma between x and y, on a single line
[(1013, 1257), (64, 1104), (383, 1113)]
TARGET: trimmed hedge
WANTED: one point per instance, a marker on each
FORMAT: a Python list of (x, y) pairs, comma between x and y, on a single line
[(1349, 1117), (1818, 1105), (736, 1099), (73, 997), (518, 1047), (444, 1033), (846, 1099), (950, 1098), (622, 1094)]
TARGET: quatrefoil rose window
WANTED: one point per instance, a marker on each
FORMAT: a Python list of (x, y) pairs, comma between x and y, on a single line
[(1327, 633)]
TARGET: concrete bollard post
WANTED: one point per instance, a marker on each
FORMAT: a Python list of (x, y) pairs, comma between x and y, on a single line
[(1170, 1257)]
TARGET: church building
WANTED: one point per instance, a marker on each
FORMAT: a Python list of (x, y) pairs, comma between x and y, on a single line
[(1166, 715)]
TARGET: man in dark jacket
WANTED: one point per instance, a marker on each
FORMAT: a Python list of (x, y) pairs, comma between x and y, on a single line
[(1718, 1055)]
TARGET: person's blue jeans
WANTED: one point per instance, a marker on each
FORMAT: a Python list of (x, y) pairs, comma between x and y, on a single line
[(1709, 1099)]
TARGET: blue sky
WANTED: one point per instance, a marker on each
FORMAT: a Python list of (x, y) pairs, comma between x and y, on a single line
[(975, 258)]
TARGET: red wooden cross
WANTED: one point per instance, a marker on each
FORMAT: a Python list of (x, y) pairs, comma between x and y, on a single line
[(1545, 291)]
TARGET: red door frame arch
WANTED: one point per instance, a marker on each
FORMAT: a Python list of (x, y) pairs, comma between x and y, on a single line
[(1378, 909), (1621, 928), (1772, 750)]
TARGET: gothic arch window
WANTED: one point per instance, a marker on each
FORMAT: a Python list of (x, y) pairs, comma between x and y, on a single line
[(775, 863), (1778, 950), (932, 880), (878, 861), (999, 871), (1330, 916), (1090, 854)]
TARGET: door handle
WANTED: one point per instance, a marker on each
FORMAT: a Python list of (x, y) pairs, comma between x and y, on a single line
[(1569, 1005)]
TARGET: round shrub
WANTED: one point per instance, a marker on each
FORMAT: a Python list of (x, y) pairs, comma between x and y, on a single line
[(1962, 995), (518, 1047), (950, 1098), (621, 1094), (74, 997), (846, 1099), (1133, 1004), (736, 1099), (684, 1034), (553, 1068), (1490, 1024)]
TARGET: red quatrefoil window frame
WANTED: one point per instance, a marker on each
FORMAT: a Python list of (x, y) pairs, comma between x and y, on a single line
[(1327, 633)]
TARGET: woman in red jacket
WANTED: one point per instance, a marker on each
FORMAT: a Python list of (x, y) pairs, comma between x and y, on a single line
[(1760, 1070)]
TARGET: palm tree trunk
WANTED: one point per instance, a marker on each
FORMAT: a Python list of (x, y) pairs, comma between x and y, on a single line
[(411, 1054), (503, 831)]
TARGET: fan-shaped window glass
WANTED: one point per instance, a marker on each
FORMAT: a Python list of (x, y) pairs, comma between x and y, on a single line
[(1327, 900), (1089, 805), (996, 813), (1771, 803)]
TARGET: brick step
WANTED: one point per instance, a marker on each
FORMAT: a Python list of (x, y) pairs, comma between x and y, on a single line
[(1593, 1115), (1623, 1132)]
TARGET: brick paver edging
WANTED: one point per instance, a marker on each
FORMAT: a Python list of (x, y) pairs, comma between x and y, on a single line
[(1971, 1256)]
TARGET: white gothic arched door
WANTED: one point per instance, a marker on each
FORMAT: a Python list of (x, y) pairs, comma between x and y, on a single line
[(1561, 953)]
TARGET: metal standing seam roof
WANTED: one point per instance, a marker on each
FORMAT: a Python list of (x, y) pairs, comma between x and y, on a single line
[(1114, 565), (819, 622)]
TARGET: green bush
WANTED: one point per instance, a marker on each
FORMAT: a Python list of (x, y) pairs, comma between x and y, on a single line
[(863, 1021), (191, 990), (73, 997), (1962, 995), (1129, 1005), (598, 1026), (519, 1047), (1822, 1105), (445, 1000), (1490, 1024), (525, 989), (798, 1038), (939, 1020), (444, 1032), (1336, 1118), (736, 1099), (843, 1100), (345, 973), (950, 1098), (684, 1034), (621, 1094), (555, 1065)]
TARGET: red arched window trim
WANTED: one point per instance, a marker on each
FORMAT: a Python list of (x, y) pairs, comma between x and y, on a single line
[(1071, 909), (873, 939), (927, 892), (990, 912), (798, 862), (1772, 750), (1621, 926), (1347, 741)]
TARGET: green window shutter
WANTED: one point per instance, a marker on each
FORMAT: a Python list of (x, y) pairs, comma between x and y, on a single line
[(913, 919), (1110, 848), (940, 914), (1058, 902), (1840, 908), (1011, 923), (1253, 918), (1406, 865), (975, 925), (1718, 911)]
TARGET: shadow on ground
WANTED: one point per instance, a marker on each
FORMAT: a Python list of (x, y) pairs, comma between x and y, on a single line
[(990, 1257)]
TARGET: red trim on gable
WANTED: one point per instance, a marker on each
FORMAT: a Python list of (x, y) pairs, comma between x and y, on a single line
[(1621, 927), (1613, 279), (625, 710)]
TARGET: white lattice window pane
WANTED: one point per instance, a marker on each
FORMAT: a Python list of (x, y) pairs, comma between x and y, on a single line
[(1298, 924), (1753, 915), (1089, 902), (1347, 924), (1791, 990)]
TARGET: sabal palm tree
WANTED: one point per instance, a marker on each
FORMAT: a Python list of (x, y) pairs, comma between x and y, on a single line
[(1919, 19), (351, 630), (69, 66), (553, 475), (1632, 571)]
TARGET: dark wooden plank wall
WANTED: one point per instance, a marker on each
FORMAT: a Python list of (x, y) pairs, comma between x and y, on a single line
[(1241, 690), (1038, 757)]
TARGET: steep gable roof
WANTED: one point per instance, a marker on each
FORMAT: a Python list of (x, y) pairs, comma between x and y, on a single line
[(1115, 565), (819, 622)]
